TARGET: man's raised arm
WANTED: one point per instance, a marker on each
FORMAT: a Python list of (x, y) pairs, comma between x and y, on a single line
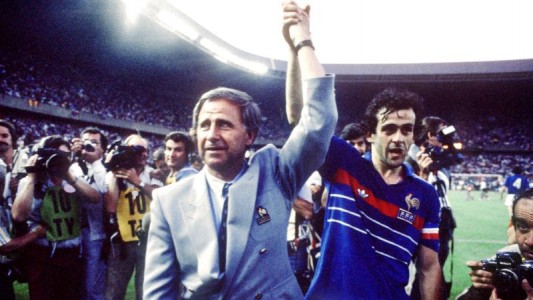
[(302, 62)]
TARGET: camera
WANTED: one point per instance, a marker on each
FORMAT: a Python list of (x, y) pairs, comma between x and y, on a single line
[(53, 161), (509, 270), (447, 155), (88, 146), (122, 156)]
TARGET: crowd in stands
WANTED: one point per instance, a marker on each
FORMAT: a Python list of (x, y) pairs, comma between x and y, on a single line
[(502, 132), (39, 81)]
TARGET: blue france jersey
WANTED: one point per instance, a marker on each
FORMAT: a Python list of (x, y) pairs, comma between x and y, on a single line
[(371, 229)]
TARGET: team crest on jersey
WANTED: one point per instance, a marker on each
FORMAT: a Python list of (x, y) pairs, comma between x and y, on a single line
[(412, 202), (362, 193), (407, 215)]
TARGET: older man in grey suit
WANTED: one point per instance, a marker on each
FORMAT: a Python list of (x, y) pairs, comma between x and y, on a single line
[(206, 245)]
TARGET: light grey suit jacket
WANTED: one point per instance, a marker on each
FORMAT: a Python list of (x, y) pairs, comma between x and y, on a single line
[(182, 251)]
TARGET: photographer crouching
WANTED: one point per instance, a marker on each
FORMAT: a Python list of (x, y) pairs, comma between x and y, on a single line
[(49, 197), (509, 275), (127, 200), (431, 156)]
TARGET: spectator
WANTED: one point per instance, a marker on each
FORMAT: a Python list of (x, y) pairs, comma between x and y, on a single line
[(178, 148), (161, 169), (354, 134)]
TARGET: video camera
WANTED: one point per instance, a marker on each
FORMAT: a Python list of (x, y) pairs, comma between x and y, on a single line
[(447, 155), (509, 270), (122, 156), (53, 161)]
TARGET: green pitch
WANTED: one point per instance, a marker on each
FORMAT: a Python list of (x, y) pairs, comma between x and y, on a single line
[(481, 231)]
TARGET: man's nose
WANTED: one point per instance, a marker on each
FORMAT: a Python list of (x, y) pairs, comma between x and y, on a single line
[(213, 132), (529, 239), (398, 136)]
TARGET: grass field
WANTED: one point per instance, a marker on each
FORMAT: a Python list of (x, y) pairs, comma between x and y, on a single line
[(480, 232)]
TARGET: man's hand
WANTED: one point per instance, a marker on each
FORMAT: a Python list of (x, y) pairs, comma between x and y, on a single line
[(295, 15), (528, 289), (76, 145), (30, 163), (424, 161), (128, 174), (20, 242), (303, 208), (481, 279), (525, 285)]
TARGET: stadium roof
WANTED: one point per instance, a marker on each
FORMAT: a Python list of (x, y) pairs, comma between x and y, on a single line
[(98, 34)]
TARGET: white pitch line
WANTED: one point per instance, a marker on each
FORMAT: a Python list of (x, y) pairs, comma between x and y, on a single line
[(498, 242)]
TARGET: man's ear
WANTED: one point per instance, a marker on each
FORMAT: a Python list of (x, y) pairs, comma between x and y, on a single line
[(250, 137)]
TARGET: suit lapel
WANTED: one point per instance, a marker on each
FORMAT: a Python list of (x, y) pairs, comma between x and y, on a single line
[(242, 197), (201, 228)]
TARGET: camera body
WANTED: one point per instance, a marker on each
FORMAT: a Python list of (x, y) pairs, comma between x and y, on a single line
[(53, 161), (447, 155), (88, 146), (509, 270), (123, 156)]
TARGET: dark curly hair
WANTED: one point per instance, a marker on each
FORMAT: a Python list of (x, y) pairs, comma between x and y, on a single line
[(392, 99), (525, 195)]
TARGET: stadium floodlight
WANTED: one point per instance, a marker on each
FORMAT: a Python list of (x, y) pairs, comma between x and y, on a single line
[(254, 67), (133, 9), (178, 25), (226, 56), (216, 50)]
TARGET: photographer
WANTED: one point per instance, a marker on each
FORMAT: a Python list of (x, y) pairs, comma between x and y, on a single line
[(484, 285), (127, 200), (13, 238), (88, 152), (430, 156), (49, 196)]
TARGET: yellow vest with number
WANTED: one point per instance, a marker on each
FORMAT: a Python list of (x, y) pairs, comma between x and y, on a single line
[(132, 205)]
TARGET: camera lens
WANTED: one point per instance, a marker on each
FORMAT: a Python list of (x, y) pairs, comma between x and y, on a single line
[(57, 165), (508, 285), (88, 146)]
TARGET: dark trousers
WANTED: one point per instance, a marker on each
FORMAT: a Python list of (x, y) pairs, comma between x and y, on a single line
[(6, 283), (53, 277)]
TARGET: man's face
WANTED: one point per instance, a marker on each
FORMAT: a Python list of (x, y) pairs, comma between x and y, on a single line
[(175, 154), (137, 141), (393, 137), (359, 144), (432, 139), (523, 221), (222, 137), (96, 141), (6, 141)]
